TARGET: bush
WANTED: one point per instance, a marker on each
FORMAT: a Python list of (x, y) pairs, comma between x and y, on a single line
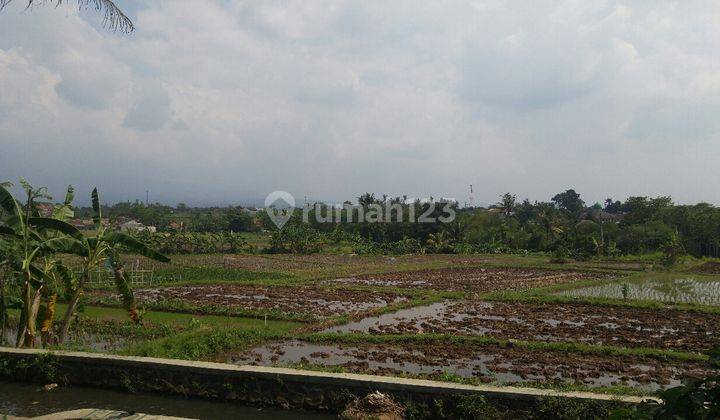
[(560, 255), (295, 239)]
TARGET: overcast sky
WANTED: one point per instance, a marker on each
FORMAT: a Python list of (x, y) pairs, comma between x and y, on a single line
[(216, 102)]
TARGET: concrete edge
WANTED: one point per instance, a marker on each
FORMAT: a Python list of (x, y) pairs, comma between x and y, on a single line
[(416, 385), (96, 414)]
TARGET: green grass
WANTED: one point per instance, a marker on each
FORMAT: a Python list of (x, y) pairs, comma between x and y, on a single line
[(258, 240), (549, 294), (174, 318), (218, 275), (104, 320), (202, 344)]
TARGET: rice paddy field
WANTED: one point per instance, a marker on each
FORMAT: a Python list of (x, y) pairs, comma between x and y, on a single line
[(613, 327)]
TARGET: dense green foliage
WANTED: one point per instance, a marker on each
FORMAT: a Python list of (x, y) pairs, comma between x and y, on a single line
[(33, 273), (564, 226), (181, 218), (194, 243)]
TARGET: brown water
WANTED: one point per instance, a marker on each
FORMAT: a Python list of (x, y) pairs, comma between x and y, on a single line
[(30, 401), (406, 360), (414, 316)]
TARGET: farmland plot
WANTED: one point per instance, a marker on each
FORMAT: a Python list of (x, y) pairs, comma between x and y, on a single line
[(311, 301), (675, 289), (487, 363), (474, 279), (584, 323)]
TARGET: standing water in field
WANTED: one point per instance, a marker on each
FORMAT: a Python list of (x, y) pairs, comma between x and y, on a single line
[(686, 289)]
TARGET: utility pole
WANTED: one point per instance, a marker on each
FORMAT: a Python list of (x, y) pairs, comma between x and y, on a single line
[(147, 198)]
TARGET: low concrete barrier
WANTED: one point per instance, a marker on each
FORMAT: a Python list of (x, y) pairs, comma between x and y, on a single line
[(261, 385), (94, 414)]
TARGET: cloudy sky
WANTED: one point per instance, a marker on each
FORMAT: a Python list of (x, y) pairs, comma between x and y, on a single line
[(215, 102)]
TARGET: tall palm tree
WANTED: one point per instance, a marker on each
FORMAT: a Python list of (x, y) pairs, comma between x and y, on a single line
[(114, 18)]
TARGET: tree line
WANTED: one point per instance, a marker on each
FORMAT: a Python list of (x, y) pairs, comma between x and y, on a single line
[(564, 225)]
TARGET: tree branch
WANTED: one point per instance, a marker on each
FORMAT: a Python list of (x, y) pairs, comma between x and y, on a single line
[(113, 19)]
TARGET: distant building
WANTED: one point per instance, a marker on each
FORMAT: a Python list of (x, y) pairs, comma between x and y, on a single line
[(602, 216), (83, 224), (88, 224), (134, 225)]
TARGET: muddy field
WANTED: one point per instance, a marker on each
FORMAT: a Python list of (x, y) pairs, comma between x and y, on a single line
[(709, 267), (601, 325), (300, 300), (474, 279), (300, 263), (506, 365)]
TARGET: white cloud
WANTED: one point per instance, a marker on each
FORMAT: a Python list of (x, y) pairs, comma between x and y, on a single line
[(233, 99)]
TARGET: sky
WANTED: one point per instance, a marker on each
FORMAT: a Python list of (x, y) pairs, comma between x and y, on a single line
[(222, 102)]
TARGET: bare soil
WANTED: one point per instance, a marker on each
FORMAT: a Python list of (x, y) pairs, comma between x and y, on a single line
[(508, 365), (305, 300), (474, 279), (570, 322), (709, 267)]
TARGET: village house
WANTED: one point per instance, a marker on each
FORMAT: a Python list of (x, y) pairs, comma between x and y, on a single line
[(134, 225)]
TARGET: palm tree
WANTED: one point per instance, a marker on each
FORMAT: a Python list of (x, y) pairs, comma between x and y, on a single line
[(507, 204), (114, 18), (550, 221)]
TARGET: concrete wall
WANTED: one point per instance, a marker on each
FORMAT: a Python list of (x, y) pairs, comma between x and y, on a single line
[(255, 385)]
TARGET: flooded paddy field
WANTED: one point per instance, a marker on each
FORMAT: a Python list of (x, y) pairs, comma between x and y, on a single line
[(481, 363), (535, 340), (571, 322), (474, 279), (314, 301), (674, 289)]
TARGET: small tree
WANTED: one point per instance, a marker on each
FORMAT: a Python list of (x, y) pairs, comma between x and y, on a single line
[(507, 204), (672, 250), (27, 244), (105, 245)]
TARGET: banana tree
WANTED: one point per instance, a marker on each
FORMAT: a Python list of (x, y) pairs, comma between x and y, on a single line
[(95, 251), (25, 247), (3, 298), (62, 276)]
